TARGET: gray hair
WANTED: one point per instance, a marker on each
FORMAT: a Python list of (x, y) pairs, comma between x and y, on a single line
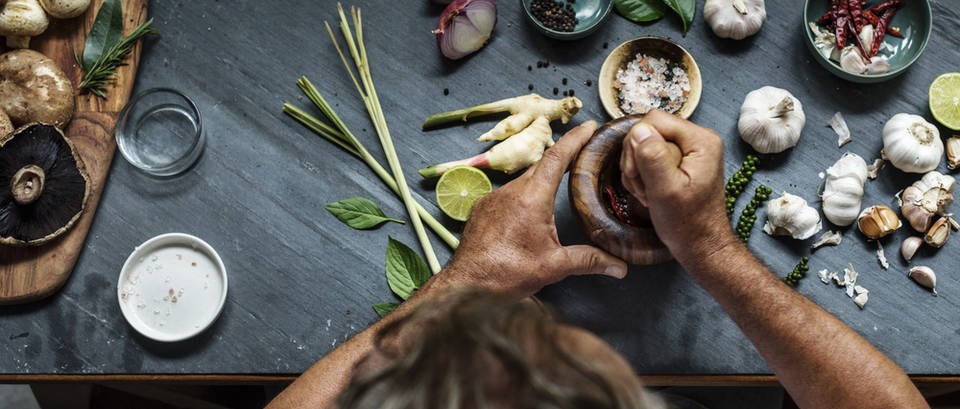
[(477, 350)]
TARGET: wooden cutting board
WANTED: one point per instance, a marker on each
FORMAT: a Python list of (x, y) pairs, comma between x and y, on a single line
[(31, 273)]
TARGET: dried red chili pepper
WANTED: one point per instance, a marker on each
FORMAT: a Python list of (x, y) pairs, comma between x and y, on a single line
[(881, 7), (881, 29), (618, 203), (855, 8)]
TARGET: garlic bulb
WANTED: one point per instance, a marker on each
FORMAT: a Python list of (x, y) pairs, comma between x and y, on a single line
[(790, 215), (878, 221), (911, 143), (736, 19), (843, 189), (929, 196), (771, 120)]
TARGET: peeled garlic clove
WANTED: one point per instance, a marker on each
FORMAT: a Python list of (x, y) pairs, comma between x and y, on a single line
[(953, 151), (790, 215), (924, 276), (938, 233), (909, 247), (878, 221)]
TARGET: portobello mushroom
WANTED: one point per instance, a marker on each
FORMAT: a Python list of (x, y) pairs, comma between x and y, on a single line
[(43, 185)]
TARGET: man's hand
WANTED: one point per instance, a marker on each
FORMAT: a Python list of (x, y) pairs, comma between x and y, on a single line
[(510, 243), (675, 168)]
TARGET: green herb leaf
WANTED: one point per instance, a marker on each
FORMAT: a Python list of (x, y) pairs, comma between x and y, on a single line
[(107, 30), (406, 271), (98, 75), (640, 11), (359, 213), (383, 309), (685, 9)]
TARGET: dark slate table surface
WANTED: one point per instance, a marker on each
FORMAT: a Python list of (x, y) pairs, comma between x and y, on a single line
[(301, 283)]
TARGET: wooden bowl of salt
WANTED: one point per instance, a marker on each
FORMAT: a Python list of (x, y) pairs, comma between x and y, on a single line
[(608, 214), (646, 73)]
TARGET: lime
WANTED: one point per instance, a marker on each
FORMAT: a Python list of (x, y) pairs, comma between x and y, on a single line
[(945, 100), (459, 188)]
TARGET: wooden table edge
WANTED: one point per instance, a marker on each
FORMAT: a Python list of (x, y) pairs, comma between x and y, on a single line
[(648, 380)]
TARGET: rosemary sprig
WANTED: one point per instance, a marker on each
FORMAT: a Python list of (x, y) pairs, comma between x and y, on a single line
[(98, 75)]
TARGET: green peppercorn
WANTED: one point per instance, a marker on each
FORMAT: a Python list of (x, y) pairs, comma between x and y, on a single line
[(749, 215)]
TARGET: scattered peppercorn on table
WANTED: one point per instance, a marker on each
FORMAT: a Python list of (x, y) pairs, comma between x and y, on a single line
[(301, 282)]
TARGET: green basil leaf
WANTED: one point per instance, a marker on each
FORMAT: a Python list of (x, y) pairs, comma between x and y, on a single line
[(639, 11), (107, 30), (406, 271), (359, 213), (383, 309), (685, 9)]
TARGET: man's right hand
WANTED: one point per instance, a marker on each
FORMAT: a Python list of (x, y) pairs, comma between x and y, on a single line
[(675, 168)]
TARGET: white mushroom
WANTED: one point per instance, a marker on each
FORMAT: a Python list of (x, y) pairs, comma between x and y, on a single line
[(20, 20), (65, 8), (34, 89)]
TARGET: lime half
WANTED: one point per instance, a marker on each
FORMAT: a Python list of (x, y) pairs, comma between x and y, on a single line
[(945, 100), (459, 188)]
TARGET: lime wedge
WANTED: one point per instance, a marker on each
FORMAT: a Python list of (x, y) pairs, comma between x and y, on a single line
[(945, 100), (459, 188)]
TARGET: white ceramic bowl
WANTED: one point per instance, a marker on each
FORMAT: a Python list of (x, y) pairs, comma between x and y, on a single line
[(172, 287)]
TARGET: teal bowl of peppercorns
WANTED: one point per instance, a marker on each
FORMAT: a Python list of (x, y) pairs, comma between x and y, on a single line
[(567, 19)]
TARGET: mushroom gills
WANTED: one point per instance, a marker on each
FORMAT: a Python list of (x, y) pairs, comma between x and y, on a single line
[(45, 185)]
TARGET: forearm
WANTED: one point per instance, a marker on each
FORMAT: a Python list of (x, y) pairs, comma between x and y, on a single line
[(820, 361), (323, 382)]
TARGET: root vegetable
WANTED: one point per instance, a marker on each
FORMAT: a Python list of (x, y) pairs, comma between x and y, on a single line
[(465, 26), (517, 152), (523, 110)]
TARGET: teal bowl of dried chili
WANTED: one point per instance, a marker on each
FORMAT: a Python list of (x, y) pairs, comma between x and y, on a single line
[(914, 20), (589, 14)]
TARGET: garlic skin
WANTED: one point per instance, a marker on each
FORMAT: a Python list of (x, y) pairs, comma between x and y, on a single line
[(938, 233), (909, 247), (790, 215), (953, 152), (736, 19), (771, 120), (878, 221), (924, 276), (825, 42), (929, 196), (911, 143), (843, 189)]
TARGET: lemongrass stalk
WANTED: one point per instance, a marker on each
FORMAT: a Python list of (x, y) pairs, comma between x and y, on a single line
[(369, 95), (344, 139)]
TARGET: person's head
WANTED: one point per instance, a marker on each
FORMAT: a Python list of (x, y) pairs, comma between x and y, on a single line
[(477, 350)]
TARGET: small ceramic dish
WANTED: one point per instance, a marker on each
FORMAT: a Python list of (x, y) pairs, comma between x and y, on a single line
[(594, 180), (160, 132), (654, 47), (590, 13), (172, 287), (914, 20)]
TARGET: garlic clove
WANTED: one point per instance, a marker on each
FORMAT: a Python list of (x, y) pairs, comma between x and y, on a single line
[(953, 151), (909, 247), (924, 276), (878, 221), (938, 233)]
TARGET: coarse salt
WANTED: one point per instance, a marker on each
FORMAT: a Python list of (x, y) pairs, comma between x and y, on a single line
[(648, 83)]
